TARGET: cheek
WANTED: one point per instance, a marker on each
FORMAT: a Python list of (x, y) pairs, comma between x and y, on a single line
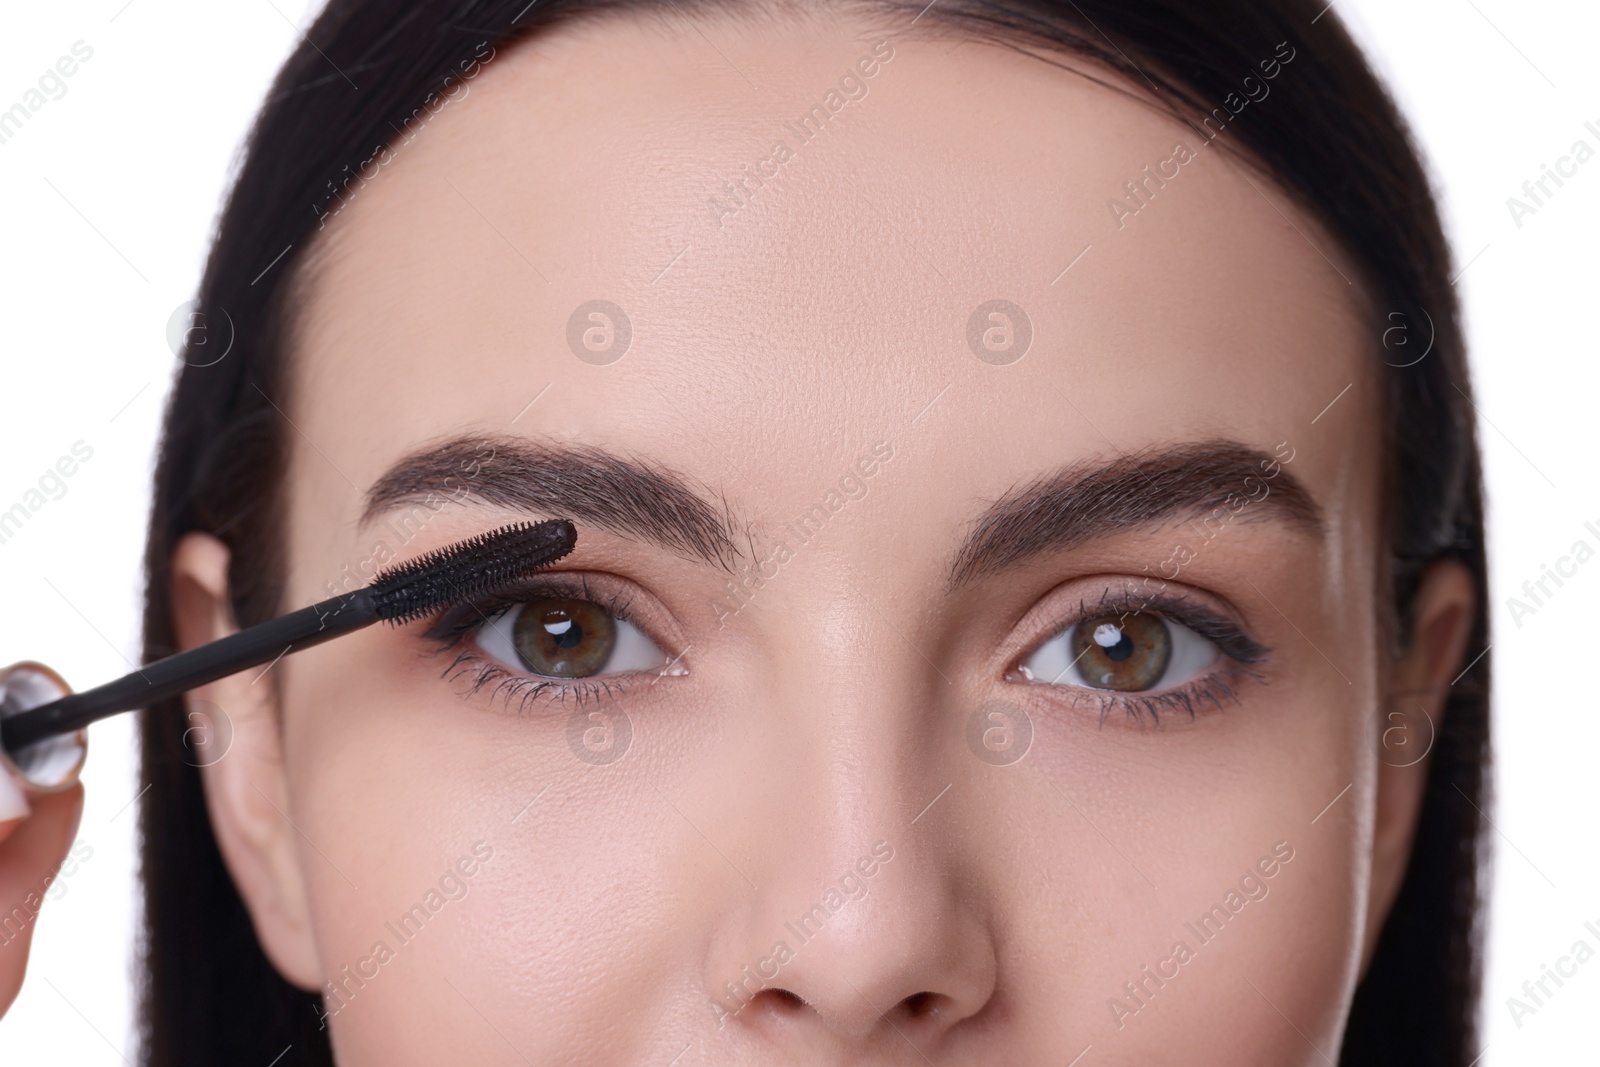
[(1134, 841), (590, 898)]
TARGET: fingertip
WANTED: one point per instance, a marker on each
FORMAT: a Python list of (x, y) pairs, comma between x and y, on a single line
[(13, 803)]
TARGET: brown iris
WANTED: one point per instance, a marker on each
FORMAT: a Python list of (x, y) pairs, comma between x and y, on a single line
[(1122, 651), (563, 638)]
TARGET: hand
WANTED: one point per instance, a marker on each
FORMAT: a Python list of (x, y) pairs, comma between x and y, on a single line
[(36, 829)]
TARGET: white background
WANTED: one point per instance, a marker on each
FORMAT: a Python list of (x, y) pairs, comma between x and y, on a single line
[(107, 201)]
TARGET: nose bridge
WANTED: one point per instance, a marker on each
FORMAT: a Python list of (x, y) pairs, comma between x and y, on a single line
[(856, 910), (859, 709)]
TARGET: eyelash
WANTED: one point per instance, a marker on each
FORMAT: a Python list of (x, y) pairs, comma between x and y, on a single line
[(1242, 656), (461, 622)]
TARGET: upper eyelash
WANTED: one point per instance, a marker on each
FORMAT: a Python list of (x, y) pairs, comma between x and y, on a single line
[(455, 624), (1243, 653), (1222, 631)]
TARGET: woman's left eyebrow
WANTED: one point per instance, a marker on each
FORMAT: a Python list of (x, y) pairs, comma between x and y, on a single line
[(1137, 491)]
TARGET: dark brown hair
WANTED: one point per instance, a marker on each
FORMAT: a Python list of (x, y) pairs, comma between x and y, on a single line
[(1329, 136)]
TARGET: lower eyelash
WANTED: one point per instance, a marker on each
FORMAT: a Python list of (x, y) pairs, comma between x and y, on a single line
[(1215, 690), (520, 691)]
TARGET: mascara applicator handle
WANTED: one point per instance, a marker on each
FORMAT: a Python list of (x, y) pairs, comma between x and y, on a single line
[(179, 673), (404, 593)]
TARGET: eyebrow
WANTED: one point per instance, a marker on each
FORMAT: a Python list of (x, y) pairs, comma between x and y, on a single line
[(584, 483), (634, 498), (1140, 490)]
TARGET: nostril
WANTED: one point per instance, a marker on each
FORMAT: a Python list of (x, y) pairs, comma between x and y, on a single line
[(786, 999), (778, 1002), (918, 1005)]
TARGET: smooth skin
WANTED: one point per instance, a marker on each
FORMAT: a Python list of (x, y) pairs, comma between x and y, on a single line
[(771, 348)]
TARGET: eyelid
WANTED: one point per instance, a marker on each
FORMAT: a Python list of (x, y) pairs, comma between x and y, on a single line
[(1209, 615), (1229, 637)]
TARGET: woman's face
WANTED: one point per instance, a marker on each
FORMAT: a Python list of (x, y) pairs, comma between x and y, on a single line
[(858, 746)]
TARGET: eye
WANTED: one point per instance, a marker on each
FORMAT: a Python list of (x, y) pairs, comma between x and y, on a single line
[(557, 637), (1121, 651)]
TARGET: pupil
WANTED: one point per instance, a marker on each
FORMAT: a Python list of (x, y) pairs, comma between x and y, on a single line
[(566, 632), (1121, 650)]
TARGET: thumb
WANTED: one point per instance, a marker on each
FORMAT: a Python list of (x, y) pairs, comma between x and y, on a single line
[(37, 822)]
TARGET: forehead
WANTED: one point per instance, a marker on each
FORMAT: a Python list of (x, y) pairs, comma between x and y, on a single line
[(807, 237)]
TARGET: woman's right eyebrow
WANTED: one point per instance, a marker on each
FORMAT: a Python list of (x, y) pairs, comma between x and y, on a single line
[(586, 484)]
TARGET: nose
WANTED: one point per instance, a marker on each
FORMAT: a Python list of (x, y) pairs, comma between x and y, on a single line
[(862, 932), (906, 959)]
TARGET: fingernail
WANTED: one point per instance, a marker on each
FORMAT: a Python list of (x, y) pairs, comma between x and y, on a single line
[(13, 805)]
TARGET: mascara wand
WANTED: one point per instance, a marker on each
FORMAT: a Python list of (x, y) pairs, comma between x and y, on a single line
[(439, 579)]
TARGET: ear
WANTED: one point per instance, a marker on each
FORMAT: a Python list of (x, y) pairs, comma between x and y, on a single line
[(1413, 713), (233, 736)]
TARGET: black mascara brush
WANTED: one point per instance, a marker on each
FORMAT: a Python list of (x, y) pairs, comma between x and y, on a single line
[(448, 576)]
